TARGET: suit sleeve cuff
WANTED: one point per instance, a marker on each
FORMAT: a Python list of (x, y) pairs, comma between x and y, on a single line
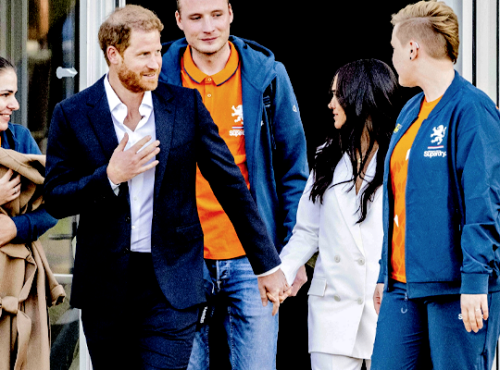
[(272, 271), (474, 284), (381, 274), (22, 223)]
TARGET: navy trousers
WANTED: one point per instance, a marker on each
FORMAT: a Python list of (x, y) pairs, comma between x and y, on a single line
[(147, 334), (428, 333)]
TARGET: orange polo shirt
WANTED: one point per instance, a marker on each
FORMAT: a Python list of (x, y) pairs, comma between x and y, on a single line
[(399, 172), (222, 96)]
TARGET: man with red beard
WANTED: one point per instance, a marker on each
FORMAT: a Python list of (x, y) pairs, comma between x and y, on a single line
[(123, 154)]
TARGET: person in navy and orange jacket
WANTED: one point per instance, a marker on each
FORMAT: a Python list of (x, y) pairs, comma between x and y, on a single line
[(251, 100), (438, 291)]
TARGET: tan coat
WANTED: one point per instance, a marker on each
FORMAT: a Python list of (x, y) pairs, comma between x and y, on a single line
[(27, 285)]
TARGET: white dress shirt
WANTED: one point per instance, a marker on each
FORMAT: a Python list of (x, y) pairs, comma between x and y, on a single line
[(141, 187)]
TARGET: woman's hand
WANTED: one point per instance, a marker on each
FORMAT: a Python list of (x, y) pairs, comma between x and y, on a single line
[(377, 296), (10, 188), (300, 280), (474, 310)]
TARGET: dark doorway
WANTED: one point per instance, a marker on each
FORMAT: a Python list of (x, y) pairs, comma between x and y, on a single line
[(312, 39)]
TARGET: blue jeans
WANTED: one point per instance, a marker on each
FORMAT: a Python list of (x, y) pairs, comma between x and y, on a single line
[(428, 333), (252, 331)]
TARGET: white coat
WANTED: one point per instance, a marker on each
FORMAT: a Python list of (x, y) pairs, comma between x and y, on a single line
[(342, 319)]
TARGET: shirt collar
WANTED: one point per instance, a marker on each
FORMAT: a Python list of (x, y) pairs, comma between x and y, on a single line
[(219, 78), (119, 110)]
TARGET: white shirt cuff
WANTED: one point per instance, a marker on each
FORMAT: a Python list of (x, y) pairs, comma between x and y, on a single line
[(114, 187), (272, 271)]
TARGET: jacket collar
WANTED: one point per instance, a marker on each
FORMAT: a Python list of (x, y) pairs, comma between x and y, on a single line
[(256, 62), (450, 93)]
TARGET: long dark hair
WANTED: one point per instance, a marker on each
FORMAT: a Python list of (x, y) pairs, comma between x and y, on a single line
[(368, 92)]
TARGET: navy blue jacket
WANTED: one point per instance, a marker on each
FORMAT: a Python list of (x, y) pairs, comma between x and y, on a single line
[(30, 226), (276, 156), (82, 139), (452, 195)]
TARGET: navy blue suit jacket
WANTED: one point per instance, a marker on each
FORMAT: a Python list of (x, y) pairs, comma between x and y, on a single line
[(81, 141)]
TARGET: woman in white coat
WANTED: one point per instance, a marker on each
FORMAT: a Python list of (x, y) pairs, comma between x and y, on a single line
[(340, 215)]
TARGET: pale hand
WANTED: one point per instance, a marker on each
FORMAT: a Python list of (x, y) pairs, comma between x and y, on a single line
[(126, 164), (377, 296), (474, 310), (274, 288), (10, 188), (300, 279), (8, 229)]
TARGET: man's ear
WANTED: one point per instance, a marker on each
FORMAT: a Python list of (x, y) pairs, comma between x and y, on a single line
[(178, 19), (113, 55), (231, 13)]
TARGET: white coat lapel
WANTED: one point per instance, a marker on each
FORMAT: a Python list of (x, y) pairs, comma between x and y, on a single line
[(347, 199)]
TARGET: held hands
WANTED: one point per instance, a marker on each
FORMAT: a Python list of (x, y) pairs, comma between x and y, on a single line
[(300, 279), (377, 297), (474, 310), (126, 164), (274, 288), (10, 188)]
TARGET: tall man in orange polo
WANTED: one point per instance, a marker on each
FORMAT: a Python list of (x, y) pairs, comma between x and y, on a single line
[(251, 100)]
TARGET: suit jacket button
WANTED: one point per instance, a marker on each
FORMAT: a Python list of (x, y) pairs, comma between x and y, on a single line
[(361, 261), (336, 258), (336, 297), (360, 301)]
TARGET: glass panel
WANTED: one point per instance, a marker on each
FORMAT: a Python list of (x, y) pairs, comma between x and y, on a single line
[(58, 246), (51, 45), (51, 53), (65, 331)]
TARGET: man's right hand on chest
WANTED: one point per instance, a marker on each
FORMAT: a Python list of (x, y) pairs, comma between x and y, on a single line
[(126, 164)]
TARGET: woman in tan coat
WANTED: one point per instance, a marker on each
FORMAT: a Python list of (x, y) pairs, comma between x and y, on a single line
[(27, 285)]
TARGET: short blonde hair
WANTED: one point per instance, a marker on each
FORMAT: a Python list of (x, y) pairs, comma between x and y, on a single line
[(179, 5), (117, 28), (433, 25)]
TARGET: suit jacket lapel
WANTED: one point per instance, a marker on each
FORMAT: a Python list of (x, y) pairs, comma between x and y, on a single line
[(347, 203), (100, 119), (164, 112)]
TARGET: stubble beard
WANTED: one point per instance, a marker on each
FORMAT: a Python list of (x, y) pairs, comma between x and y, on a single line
[(133, 82)]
